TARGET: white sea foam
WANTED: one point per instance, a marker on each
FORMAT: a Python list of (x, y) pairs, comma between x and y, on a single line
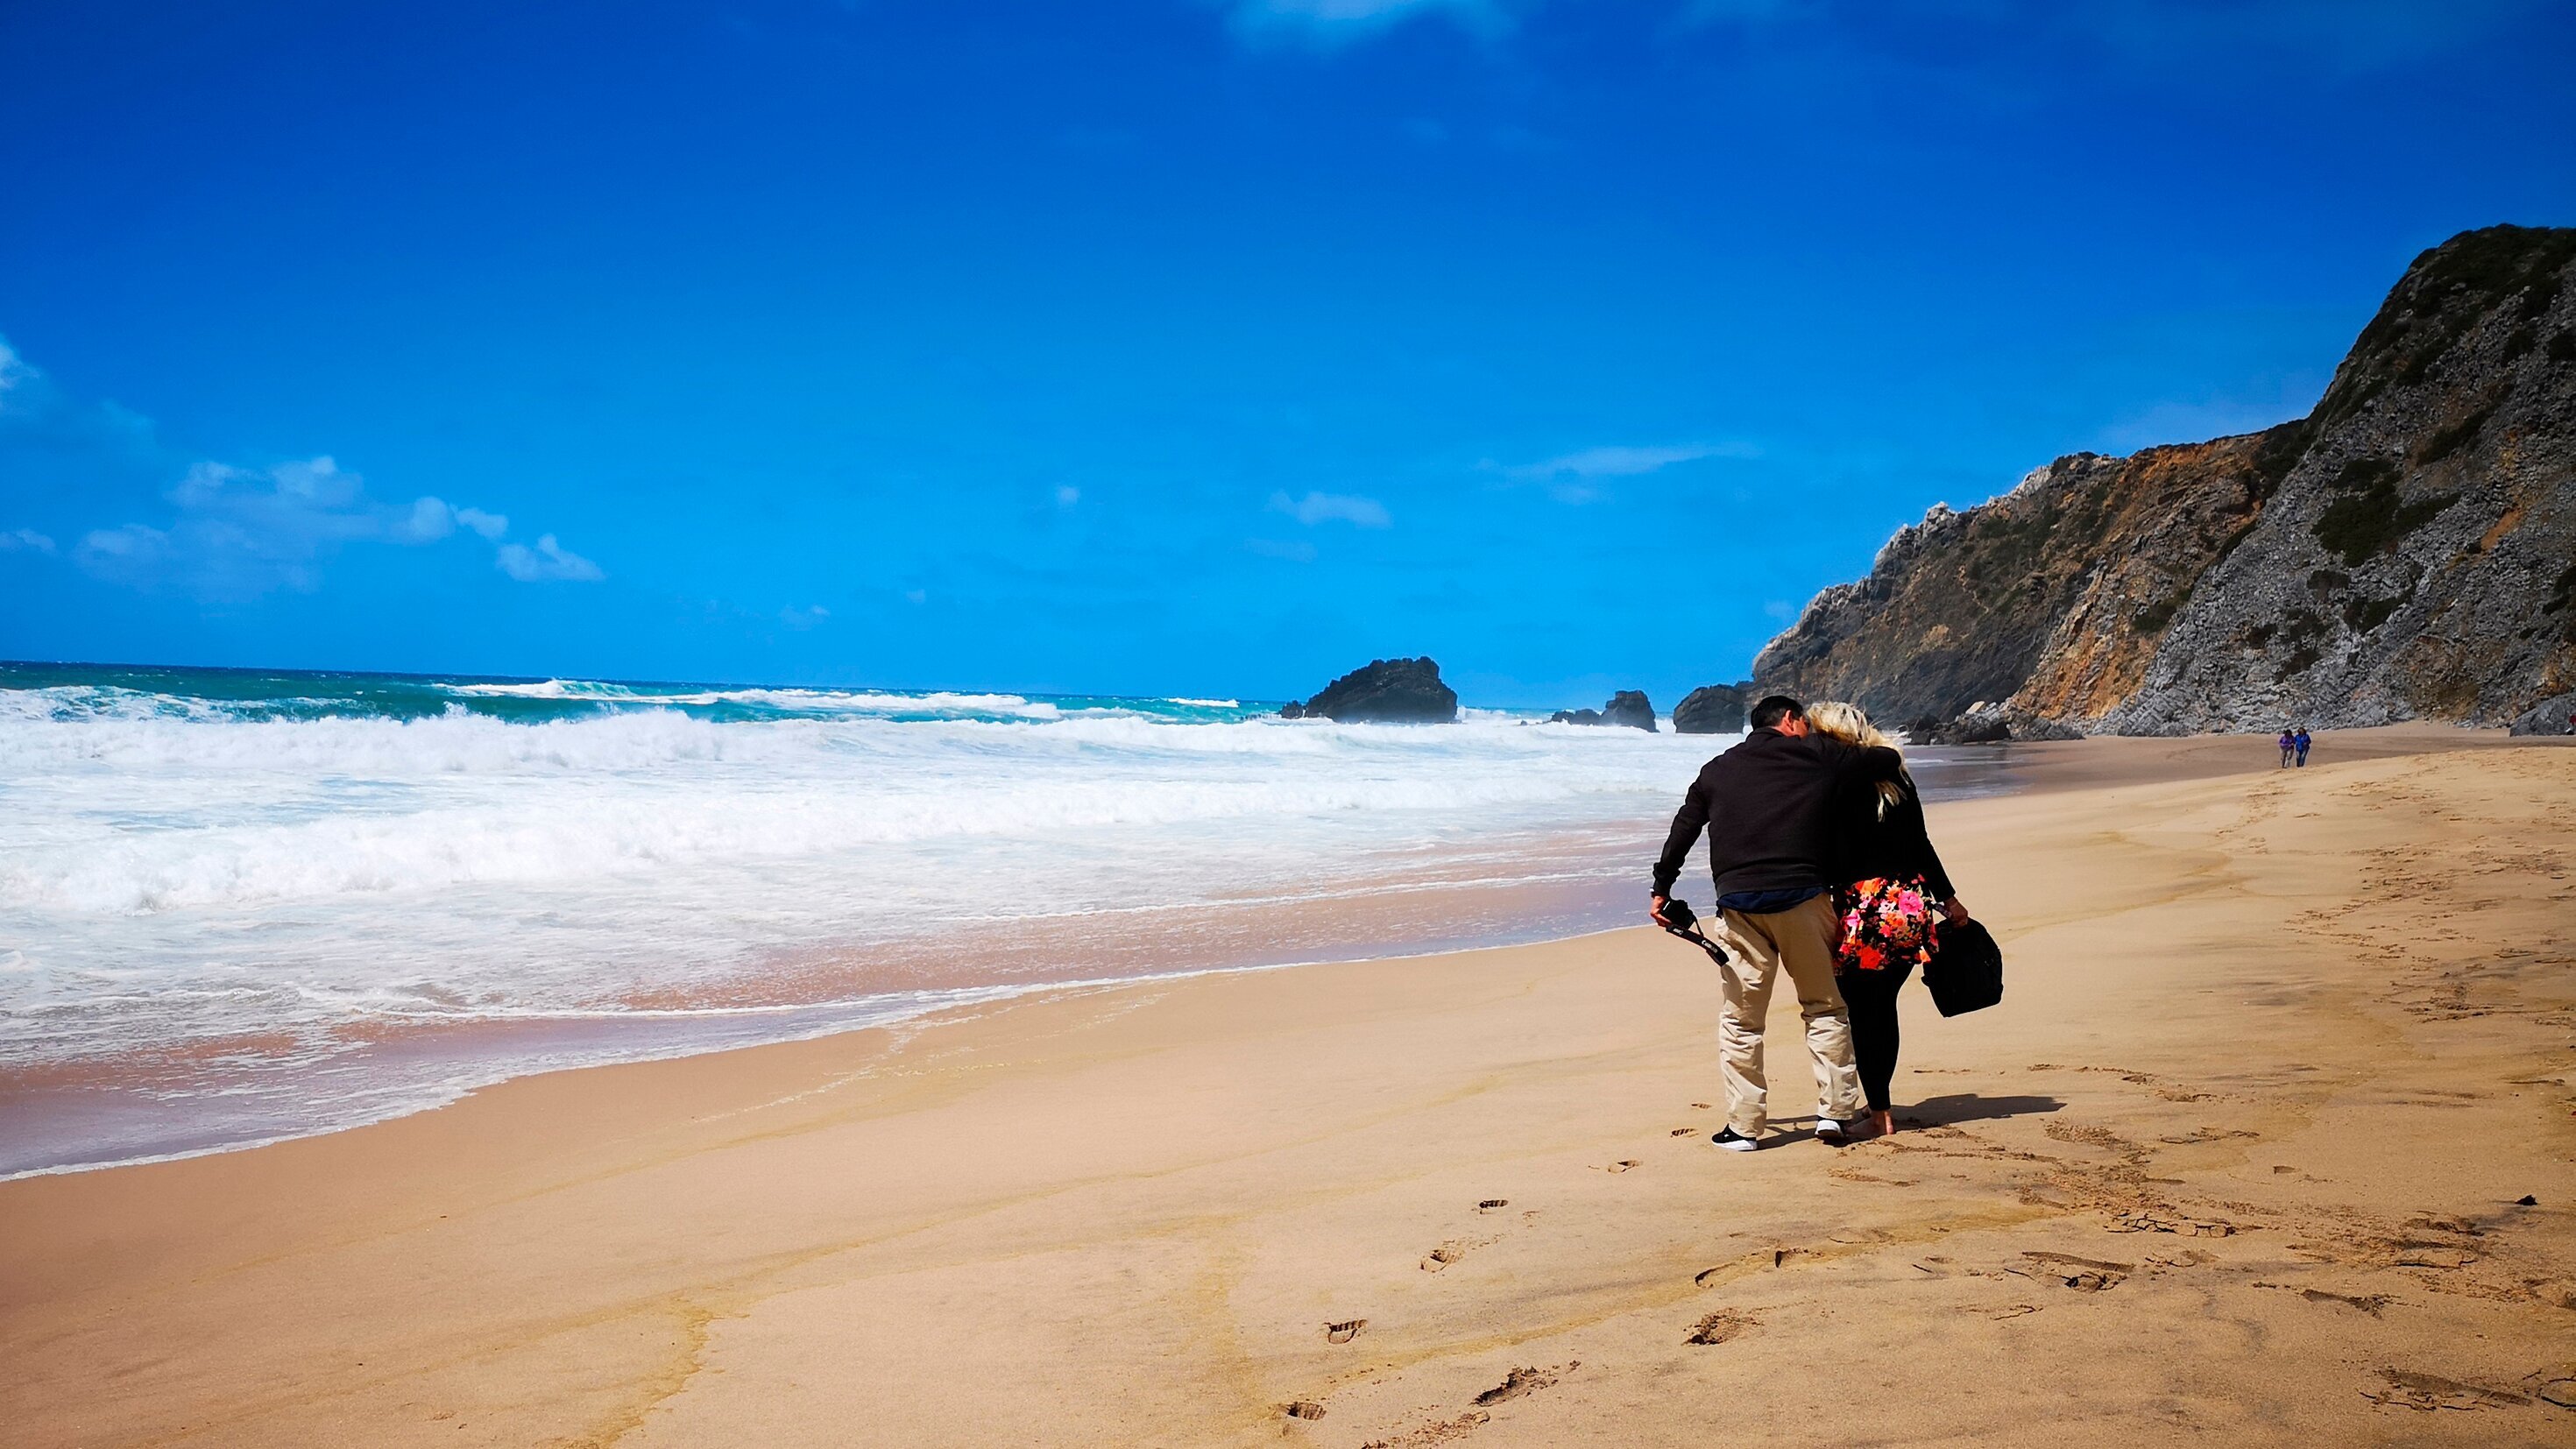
[(247, 813), (850, 701)]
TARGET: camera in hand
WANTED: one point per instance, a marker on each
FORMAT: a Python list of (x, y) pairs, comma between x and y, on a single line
[(1682, 921)]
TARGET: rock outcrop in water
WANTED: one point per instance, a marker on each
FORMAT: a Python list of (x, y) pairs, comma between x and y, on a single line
[(1628, 707), (1385, 691), (2406, 551), (1714, 709)]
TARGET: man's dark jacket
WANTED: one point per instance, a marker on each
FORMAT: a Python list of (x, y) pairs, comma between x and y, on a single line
[(1772, 807)]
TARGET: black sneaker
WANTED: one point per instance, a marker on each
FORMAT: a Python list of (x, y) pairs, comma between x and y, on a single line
[(1734, 1141)]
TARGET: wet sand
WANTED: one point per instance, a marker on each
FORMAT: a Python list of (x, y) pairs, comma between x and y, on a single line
[(2238, 1159)]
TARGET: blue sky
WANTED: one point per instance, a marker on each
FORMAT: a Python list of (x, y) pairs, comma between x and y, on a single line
[(1174, 346)]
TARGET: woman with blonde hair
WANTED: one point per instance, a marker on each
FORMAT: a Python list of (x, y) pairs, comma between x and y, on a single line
[(1891, 881)]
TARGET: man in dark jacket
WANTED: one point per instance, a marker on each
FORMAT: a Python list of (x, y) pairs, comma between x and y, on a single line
[(1768, 807)]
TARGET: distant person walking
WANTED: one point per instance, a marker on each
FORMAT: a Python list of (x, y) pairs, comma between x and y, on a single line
[(2300, 741), (2289, 744), (1768, 806), (1888, 881)]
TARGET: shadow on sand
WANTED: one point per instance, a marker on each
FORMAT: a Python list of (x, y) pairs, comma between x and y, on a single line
[(1960, 1107)]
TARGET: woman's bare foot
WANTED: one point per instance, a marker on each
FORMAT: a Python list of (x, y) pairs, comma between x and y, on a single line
[(1882, 1124)]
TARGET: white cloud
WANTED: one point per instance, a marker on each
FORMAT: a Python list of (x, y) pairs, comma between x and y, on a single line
[(1317, 508), (232, 532), (430, 520), (13, 372), (805, 618), (1334, 22), (1067, 496), (548, 562), (142, 557), (242, 532), (1619, 461)]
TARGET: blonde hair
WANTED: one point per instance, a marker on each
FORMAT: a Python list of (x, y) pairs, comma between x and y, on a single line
[(1848, 724)]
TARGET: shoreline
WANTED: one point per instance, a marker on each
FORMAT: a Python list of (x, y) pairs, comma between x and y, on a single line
[(906, 1023), (2280, 1054)]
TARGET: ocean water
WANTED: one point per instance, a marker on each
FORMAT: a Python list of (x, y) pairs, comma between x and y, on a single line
[(240, 906)]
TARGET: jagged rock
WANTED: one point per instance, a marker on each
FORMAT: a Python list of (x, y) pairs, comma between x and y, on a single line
[(1388, 691), (1293, 709), (1714, 709), (1629, 707), (2400, 553), (1977, 727), (1987, 724), (2556, 716)]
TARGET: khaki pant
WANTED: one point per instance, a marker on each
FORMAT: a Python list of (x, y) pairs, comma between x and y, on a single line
[(1799, 940)]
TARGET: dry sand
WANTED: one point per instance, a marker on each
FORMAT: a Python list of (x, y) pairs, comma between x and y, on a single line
[(2237, 1160)]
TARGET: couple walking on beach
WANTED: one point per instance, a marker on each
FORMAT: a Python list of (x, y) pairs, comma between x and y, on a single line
[(1824, 873), (2294, 747)]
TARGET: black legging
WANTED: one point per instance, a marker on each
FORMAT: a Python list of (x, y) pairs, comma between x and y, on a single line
[(1871, 995)]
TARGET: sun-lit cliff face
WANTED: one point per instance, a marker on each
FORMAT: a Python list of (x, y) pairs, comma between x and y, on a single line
[(2408, 550)]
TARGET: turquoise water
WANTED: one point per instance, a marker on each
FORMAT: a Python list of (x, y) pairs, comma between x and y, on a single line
[(255, 695)]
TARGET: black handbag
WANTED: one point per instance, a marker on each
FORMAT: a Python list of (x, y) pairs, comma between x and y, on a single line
[(1966, 972)]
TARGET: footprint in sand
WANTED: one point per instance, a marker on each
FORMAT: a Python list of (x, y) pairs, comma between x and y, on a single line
[(2369, 1303), (2433, 1257), (2428, 1392), (1344, 1332), (1719, 1327), (1623, 1165), (1493, 1204), (1442, 1256), (1522, 1381), (1683, 1131), (2207, 1134), (2087, 1275), (2166, 1220), (1699, 1106), (1303, 1409)]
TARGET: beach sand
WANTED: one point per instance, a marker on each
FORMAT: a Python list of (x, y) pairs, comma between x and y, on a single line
[(2238, 1160)]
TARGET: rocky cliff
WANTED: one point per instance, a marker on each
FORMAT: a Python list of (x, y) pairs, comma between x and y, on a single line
[(2406, 551)]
